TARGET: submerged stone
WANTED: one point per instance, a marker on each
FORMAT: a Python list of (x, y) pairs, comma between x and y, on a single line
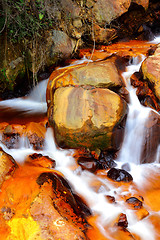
[(134, 202), (119, 175)]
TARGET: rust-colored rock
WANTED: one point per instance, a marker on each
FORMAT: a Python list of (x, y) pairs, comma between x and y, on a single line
[(122, 221), (144, 3), (7, 166), (40, 205), (39, 160), (35, 133), (145, 94), (12, 134)]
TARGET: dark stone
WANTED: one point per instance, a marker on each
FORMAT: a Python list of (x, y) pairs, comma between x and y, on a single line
[(83, 208), (122, 222), (35, 155), (134, 202), (105, 160), (89, 164), (119, 175)]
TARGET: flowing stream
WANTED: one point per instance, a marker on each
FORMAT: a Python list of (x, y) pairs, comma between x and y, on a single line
[(81, 180)]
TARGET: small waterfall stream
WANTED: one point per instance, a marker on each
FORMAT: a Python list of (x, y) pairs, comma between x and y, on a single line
[(137, 116), (81, 180)]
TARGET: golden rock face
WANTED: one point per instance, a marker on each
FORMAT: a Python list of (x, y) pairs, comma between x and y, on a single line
[(36, 203), (86, 117), (97, 74)]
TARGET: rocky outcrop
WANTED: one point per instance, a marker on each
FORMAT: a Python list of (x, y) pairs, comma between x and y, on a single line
[(38, 203), (82, 109), (70, 24), (12, 134), (151, 73), (147, 80)]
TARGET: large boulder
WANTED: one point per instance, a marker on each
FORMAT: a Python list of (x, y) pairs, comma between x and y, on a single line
[(82, 109), (85, 117)]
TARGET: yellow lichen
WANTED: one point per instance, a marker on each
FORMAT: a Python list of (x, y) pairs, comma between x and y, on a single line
[(24, 229)]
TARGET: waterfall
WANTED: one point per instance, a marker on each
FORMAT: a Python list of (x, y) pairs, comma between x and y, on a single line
[(135, 125)]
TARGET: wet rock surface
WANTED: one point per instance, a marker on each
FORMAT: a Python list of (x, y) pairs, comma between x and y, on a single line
[(14, 135), (134, 202), (38, 159), (122, 221), (7, 166), (119, 175)]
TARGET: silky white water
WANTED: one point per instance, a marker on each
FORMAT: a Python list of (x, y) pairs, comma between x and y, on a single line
[(137, 116), (81, 181)]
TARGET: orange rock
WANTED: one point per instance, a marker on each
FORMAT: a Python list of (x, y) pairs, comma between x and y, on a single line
[(132, 48), (35, 133), (7, 166), (40, 161), (27, 209)]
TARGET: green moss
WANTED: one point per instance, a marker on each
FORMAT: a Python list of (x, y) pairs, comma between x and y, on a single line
[(26, 19)]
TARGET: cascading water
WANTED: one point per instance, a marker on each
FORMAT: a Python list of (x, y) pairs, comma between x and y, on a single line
[(137, 116), (81, 181)]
